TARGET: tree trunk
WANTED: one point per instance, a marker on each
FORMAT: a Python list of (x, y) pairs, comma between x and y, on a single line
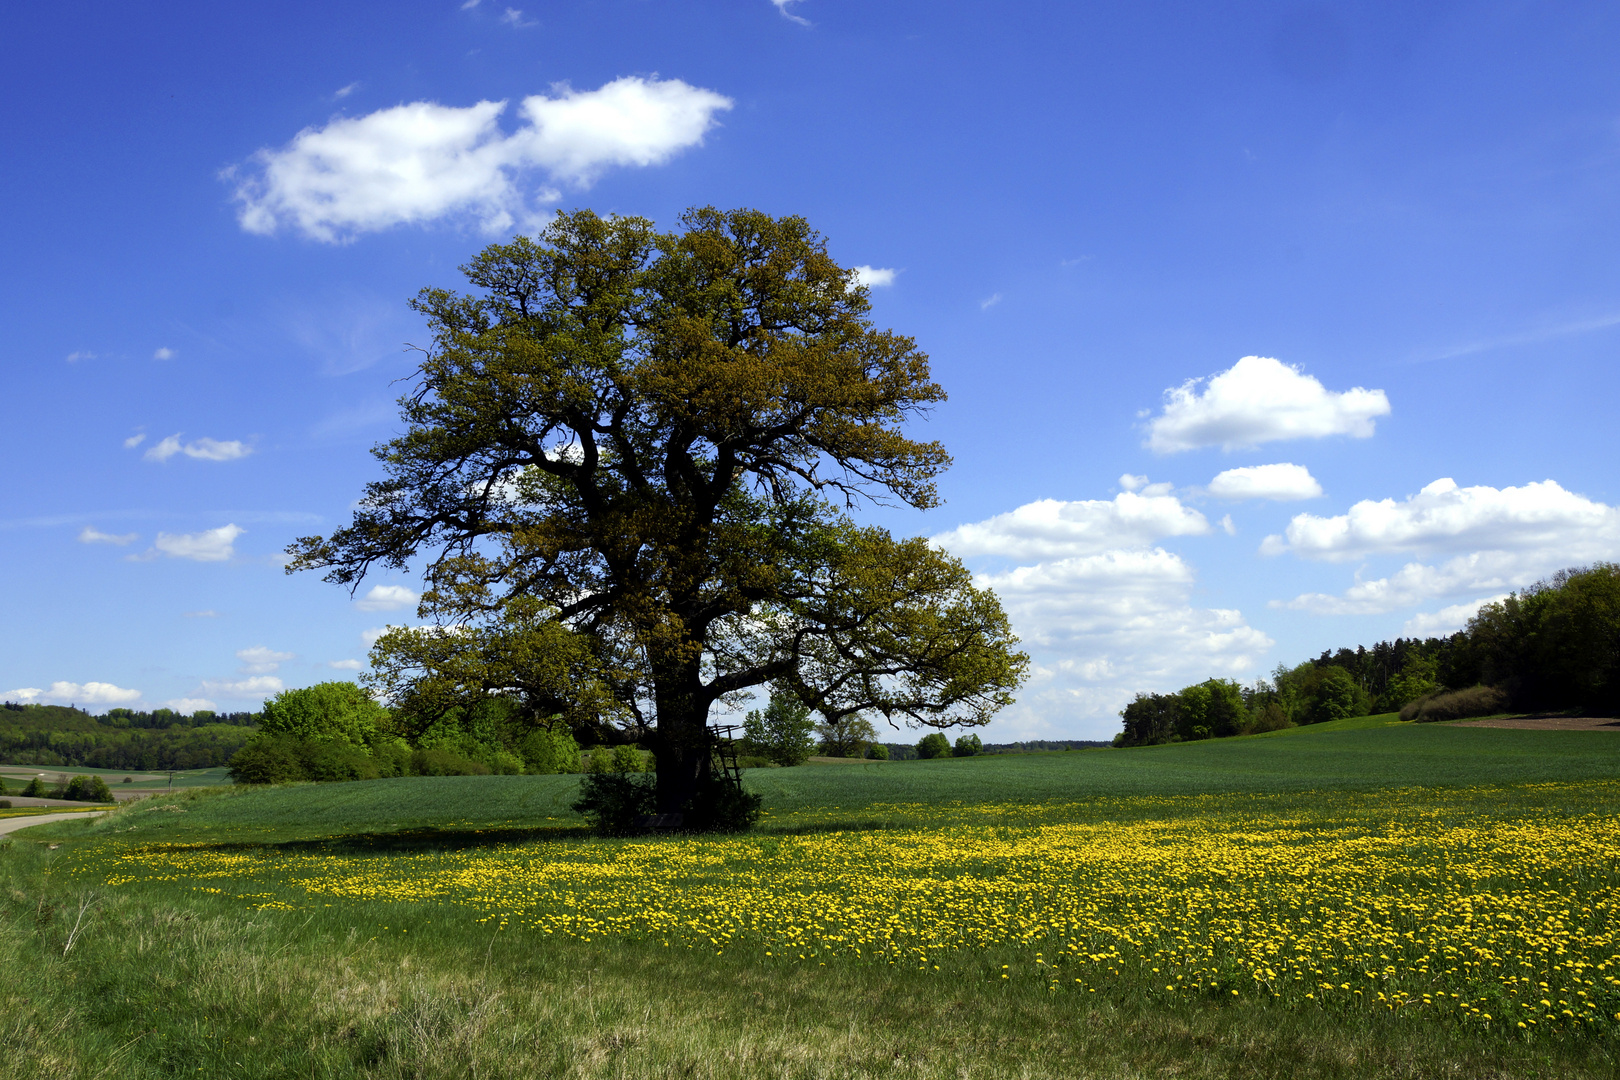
[(683, 739)]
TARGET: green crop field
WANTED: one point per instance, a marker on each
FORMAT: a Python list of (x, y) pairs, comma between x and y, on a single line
[(1357, 899)]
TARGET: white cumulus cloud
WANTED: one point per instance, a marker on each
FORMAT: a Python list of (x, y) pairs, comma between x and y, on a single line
[(72, 693), (163, 352), (1282, 482), (134, 440), (1447, 620), (1540, 516), (211, 545), (201, 449), (345, 665), (387, 598), (92, 535), (1259, 400), (1052, 529), (1102, 611), (259, 686), (421, 161), (189, 705), (873, 277), (1506, 538), (1101, 627), (261, 661)]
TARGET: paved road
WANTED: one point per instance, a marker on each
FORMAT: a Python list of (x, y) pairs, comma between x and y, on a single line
[(8, 825)]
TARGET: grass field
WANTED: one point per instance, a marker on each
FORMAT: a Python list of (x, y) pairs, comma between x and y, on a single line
[(1351, 900)]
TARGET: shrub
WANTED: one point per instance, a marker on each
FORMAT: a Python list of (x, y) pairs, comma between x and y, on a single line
[(933, 745), (88, 789), (628, 759), (546, 752), (441, 762), (5, 804), (878, 752), (392, 757), (84, 789), (611, 802), (329, 761), (1270, 718), (267, 761), (506, 763), (1457, 705), (967, 746), (36, 789)]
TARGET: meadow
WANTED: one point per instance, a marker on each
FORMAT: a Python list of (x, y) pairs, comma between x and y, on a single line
[(1358, 899)]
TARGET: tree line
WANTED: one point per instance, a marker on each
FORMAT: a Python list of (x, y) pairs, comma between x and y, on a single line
[(55, 735), (1552, 647)]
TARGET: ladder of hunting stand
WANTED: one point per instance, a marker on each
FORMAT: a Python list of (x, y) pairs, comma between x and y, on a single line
[(725, 751)]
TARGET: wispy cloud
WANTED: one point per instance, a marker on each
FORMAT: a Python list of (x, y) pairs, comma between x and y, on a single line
[(83, 354), (93, 535), (989, 302), (514, 17), (782, 6), (1528, 337), (163, 353), (201, 449), (345, 91), (259, 686), (261, 661), (134, 440)]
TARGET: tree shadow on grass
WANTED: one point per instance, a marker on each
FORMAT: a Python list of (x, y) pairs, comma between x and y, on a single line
[(442, 840), (404, 841)]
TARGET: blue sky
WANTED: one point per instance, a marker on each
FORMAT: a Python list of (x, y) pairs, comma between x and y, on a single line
[(1089, 215)]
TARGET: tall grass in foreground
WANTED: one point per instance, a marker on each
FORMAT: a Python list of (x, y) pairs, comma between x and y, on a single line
[(385, 955)]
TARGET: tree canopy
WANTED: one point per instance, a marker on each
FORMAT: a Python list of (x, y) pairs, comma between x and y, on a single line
[(627, 465)]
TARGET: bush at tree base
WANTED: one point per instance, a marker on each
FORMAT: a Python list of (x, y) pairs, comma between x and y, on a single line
[(967, 746), (611, 803), (877, 752), (36, 789)]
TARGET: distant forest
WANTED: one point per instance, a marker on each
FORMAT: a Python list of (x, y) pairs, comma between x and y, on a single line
[(56, 735), (1553, 647), (908, 751)]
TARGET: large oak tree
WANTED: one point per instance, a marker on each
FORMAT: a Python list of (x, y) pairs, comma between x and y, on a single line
[(627, 463)]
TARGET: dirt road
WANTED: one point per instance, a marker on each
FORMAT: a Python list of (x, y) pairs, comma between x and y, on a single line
[(9, 825)]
